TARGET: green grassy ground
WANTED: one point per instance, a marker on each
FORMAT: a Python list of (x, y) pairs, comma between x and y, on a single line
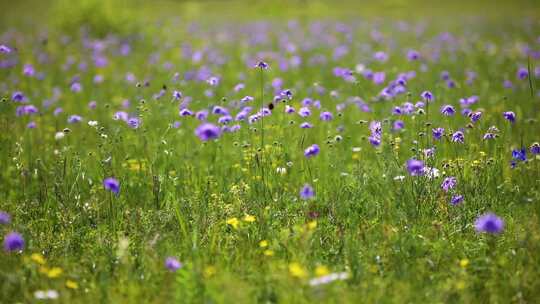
[(229, 209)]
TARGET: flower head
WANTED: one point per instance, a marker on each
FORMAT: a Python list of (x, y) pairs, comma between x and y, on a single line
[(456, 199), (312, 150), (13, 241), (307, 192), (510, 116), (172, 264), (489, 223), (448, 183), (458, 137), (207, 131), (415, 167), (112, 184), (5, 218)]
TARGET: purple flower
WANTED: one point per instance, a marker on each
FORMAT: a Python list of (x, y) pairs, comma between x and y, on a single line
[(458, 137), (306, 125), (375, 141), (225, 119), (489, 136), (326, 116), (307, 192), (522, 73), (448, 183), (489, 223), (185, 112), (510, 116), (456, 199), (448, 110), (207, 131), (4, 49), (134, 122), (427, 96), (13, 241), (398, 125), (262, 65), (312, 150), (17, 96), (475, 116), (201, 115), (76, 87), (172, 264), (304, 112), (415, 167), (413, 55), (112, 184), (31, 125), (74, 119), (437, 133), (177, 95), (519, 154), (5, 218), (535, 148)]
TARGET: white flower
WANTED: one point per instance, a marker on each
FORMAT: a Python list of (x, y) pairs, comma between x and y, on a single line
[(92, 123), (59, 135), (431, 172), (328, 278), (399, 178), (356, 149), (281, 170), (52, 294)]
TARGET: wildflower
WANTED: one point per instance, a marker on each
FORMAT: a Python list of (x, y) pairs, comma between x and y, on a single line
[(17, 96), (54, 272), (489, 223), (46, 294), (72, 284), (38, 258), (134, 122), (448, 110), (185, 112), (415, 167), (296, 270), (112, 184), (177, 95), (4, 49), (448, 183), (234, 222), (328, 278), (172, 264), (307, 192), (458, 137), (427, 96), (431, 173), (535, 149), (326, 116), (463, 263), (13, 241), (263, 244), (249, 218), (321, 270), (375, 141), (456, 200), (5, 218), (437, 133), (519, 154), (522, 73), (413, 55), (74, 119), (262, 65), (510, 116), (489, 135), (207, 131), (59, 135), (312, 150)]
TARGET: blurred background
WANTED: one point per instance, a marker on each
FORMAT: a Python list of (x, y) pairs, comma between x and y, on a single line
[(106, 16)]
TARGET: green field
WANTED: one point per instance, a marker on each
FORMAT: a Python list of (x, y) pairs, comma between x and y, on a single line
[(388, 153)]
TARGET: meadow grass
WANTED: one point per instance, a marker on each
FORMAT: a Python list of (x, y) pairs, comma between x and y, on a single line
[(121, 90)]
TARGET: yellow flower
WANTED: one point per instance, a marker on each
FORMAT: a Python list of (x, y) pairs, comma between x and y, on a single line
[(321, 270), (312, 225), (38, 258), (296, 270), (233, 222), (263, 243), (249, 218), (209, 271), (268, 252), (355, 156), (464, 263), (72, 284), (54, 272)]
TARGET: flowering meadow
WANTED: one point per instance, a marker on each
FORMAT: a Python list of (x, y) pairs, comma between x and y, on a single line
[(280, 152)]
